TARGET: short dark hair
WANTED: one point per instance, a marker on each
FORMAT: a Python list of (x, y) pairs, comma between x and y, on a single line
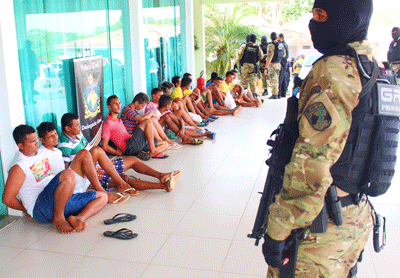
[(186, 81), (186, 75), (167, 84), (66, 120), (175, 79), (214, 75), (228, 73), (281, 35), (110, 98), (164, 100), (156, 90), (219, 78), (234, 71), (45, 127), (165, 90), (20, 133), (140, 98)]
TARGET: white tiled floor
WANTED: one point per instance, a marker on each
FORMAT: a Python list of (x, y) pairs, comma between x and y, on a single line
[(198, 230)]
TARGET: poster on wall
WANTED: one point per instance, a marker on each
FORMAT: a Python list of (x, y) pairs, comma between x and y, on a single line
[(90, 96)]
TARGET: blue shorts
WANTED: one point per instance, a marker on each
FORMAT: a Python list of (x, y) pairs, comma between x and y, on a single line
[(43, 211)]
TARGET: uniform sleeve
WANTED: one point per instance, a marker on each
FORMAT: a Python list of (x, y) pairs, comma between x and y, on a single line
[(241, 52), (270, 52), (328, 97), (284, 52), (260, 54)]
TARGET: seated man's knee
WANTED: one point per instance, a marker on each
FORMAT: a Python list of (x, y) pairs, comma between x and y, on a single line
[(68, 176), (102, 196), (96, 151)]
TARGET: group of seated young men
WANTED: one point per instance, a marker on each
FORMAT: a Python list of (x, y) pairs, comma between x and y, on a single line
[(50, 182)]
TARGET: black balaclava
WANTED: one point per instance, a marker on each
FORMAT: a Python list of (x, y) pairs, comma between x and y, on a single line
[(264, 40), (273, 36), (247, 38), (347, 21), (395, 33), (252, 38)]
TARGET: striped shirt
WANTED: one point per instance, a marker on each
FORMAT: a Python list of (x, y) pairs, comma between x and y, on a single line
[(69, 146), (128, 118)]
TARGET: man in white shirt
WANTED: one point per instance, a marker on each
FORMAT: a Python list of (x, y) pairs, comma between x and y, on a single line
[(43, 193)]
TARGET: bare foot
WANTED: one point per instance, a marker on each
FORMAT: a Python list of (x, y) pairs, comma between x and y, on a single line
[(187, 139), (63, 226), (166, 176), (112, 197), (236, 110), (78, 224)]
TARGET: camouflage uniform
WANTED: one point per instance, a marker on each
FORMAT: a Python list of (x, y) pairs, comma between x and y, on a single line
[(248, 74), (327, 98), (394, 63), (273, 70), (396, 69)]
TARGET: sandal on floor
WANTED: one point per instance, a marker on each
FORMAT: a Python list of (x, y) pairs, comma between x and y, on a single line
[(210, 119), (143, 156), (214, 117), (160, 155), (195, 142), (120, 234), (175, 146), (122, 198), (131, 191), (120, 217), (202, 124)]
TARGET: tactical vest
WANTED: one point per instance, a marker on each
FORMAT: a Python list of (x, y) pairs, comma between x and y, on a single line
[(368, 160), (250, 55), (278, 53), (264, 48), (394, 52)]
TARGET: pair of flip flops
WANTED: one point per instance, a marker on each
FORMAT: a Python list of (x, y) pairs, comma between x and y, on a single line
[(123, 233), (203, 124), (174, 146)]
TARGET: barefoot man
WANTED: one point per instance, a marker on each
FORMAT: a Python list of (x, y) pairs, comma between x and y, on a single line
[(34, 187)]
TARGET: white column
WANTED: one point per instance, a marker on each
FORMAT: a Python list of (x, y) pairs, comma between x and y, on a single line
[(137, 46), (200, 54), (188, 36), (12, 107)]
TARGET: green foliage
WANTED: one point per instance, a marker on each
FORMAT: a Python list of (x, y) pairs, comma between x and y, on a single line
[(224, 33), (383, 17), (292, 10)]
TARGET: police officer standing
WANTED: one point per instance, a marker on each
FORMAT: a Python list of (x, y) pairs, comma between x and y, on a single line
[(248, 57), (327, 99), (263, 46), (275, 53), (394, 53), (284, 74)]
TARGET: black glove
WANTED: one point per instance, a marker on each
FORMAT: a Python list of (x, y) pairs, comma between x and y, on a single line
[(272, 250)]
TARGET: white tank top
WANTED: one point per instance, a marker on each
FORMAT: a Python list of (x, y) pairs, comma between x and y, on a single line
[(39, 171)]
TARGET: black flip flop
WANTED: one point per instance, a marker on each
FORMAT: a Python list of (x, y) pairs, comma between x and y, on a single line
[(120, 234), (120, 217)]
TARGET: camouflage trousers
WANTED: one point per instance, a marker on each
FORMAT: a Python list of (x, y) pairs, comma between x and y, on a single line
[(263, 76), (334, 253), (249, 80), (396, 69), (273, 72)]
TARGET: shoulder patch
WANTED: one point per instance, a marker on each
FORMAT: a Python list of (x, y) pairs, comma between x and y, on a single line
[(318, 116)]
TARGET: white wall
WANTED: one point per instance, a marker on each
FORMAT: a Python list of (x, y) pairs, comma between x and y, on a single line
[(12, 109)]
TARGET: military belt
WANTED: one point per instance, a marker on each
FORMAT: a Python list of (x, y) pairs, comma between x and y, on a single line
[(352, 199)]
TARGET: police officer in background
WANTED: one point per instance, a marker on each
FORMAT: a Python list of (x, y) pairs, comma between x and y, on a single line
[(275, 52), (263, 46), (284, 74), (248, 56), (328, 97), (394, 53)]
